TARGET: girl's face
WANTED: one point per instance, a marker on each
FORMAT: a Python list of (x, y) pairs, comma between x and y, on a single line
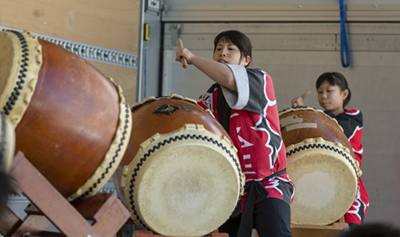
[(226, 52), (331, 98)]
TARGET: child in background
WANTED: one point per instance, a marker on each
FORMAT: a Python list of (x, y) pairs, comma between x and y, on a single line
[(243, 101), (333, 96)]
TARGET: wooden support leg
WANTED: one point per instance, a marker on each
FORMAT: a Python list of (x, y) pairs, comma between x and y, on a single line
[(47, 204), (32, 224), (49, 200), (106, 210), (9, 222)]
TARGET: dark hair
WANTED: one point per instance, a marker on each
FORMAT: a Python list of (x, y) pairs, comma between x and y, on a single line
[(372, 230), (335, 79), (237, 38)]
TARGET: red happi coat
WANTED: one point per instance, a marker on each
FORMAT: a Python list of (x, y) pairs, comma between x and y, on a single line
[(252, 121)]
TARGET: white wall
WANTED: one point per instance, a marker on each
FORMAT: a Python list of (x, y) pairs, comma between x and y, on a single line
[(279, 10)]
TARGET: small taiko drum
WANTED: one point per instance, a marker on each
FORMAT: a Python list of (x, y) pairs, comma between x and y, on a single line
[(71, 122), (321, 165), (180, 175)]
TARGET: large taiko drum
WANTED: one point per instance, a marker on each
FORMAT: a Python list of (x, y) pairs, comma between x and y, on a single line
[(320, 163), (71, 122), (180, 175)]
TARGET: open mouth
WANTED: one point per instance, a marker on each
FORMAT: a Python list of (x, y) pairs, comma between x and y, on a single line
[(222, 61)]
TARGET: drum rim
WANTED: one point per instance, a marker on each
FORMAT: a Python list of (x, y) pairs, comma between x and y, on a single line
[(114, 154), (7, 143), (146, 147), (21, 83), (328, 145)]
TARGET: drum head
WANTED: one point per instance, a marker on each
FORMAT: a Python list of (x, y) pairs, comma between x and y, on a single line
[(326, 180), (185, 183)]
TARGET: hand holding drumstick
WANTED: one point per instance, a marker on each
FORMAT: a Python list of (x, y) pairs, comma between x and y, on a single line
[(299, 101), (181, 58)]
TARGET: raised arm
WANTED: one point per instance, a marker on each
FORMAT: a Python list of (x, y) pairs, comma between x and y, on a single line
[(216, 71)]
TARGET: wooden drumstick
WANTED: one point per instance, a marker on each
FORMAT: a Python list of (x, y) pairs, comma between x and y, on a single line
[(304, 95), (180, 46)]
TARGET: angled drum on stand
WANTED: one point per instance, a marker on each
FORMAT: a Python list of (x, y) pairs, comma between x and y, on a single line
[(71, 122), (321, 164)]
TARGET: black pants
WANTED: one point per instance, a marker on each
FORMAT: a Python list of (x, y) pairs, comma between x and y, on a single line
[(271, 219)]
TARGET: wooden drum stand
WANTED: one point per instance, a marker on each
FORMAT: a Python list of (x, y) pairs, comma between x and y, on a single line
[(104, 210)]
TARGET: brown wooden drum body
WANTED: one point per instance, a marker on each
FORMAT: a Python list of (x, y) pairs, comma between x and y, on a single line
[(321, 164), (71, 122), (180, 175), (298, 124)]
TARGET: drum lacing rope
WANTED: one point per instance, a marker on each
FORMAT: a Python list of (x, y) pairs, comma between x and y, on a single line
[(328, 147), (156, 147), (121, 143), (25, 53)]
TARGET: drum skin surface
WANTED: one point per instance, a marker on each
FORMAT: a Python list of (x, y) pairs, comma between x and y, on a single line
[(70, 129), (180, 175), (321, 165)]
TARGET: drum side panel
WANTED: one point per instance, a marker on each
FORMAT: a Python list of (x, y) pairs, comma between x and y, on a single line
[(71, 120), (125, 77), (299, 125), (146, 123)]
